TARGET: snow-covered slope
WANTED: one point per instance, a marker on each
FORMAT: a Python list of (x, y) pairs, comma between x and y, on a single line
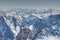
[(29, 24)]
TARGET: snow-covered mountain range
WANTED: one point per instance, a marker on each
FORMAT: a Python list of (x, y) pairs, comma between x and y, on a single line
[(29, 24)]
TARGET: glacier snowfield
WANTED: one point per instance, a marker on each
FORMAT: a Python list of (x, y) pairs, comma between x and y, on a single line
[(29, 24)]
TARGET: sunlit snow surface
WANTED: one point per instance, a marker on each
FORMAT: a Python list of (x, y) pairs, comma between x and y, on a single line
[(29, 24)]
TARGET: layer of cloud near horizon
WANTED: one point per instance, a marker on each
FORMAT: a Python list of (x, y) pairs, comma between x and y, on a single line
[(30, 4)]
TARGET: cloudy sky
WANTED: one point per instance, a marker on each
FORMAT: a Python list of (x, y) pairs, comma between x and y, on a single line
[(37, 4)]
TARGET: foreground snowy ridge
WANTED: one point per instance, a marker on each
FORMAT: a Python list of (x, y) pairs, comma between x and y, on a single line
[(29, 24)]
